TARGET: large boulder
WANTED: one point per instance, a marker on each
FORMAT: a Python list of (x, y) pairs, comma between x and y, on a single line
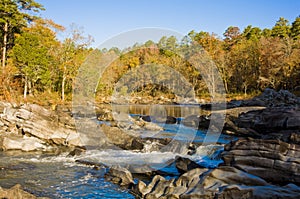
[(119, 138), (270, 120), (195, 121), (271, 98), (269, 123), (273, 160), (120, 175), (132, 140), (23, 143), (185, 164), (16, 192), (31, 127)]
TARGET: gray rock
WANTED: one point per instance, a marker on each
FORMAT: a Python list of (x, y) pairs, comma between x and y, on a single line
[(273, 160), (271, 98), (120, 175), (222, 182), (31, 127), (185, 164), (23, 143), (142, 189), (17, 192), (198, 122)]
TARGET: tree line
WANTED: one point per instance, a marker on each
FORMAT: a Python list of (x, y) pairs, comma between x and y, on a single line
[(35, 62), (248, 60)]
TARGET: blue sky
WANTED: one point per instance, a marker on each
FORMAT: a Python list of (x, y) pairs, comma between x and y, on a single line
[(103, 19)]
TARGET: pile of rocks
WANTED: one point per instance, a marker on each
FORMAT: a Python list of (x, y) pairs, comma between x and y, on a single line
[(252, 168), (263, 163), (271, 98), (221, 182)]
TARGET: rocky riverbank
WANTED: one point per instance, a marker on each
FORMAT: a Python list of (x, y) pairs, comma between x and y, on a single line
[(30, 127), (252, 168), (264, 162)]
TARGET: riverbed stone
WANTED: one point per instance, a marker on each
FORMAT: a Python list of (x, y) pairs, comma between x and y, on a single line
[(16, 192), (185, 164), (222, 182), (273, 160), (23, 143), (120, 175)]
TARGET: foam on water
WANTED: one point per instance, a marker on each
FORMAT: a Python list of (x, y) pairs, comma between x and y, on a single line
[(60, 176), (155, 160), (57, 177), (208, 155)]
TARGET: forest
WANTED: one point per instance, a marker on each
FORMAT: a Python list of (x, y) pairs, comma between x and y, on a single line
[(38, 64)]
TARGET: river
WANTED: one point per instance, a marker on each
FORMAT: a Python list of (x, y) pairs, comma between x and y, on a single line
[(59, 176)]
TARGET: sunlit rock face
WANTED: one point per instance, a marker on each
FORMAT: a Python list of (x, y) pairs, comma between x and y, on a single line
[(31, 127)]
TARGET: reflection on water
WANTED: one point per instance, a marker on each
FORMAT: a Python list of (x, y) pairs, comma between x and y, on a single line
[(162, 110)]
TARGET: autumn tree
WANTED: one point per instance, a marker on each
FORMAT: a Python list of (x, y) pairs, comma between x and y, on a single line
[(33, 55), (31, 58), (272, 60), (295, 29), (252, 33), (69, 56), (281, 28), (232, 35), (14, 14)]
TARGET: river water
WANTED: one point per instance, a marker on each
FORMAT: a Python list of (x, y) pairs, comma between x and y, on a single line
[(59, 176)]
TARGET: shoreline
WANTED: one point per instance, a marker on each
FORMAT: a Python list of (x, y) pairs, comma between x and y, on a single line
[(268, 134)]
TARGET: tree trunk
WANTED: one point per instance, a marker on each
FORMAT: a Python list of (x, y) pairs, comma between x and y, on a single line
[(225, 84), (30, 87), (63, 87), (25, 87), (5, 34), (245, 90)]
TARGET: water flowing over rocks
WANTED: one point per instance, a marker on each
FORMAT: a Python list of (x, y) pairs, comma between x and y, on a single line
[(264, 162), (30, 127), (131, 140)]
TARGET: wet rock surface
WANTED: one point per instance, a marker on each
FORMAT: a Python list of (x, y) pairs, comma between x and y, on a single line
[(120, 176), (131, 140), (185, 164)]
